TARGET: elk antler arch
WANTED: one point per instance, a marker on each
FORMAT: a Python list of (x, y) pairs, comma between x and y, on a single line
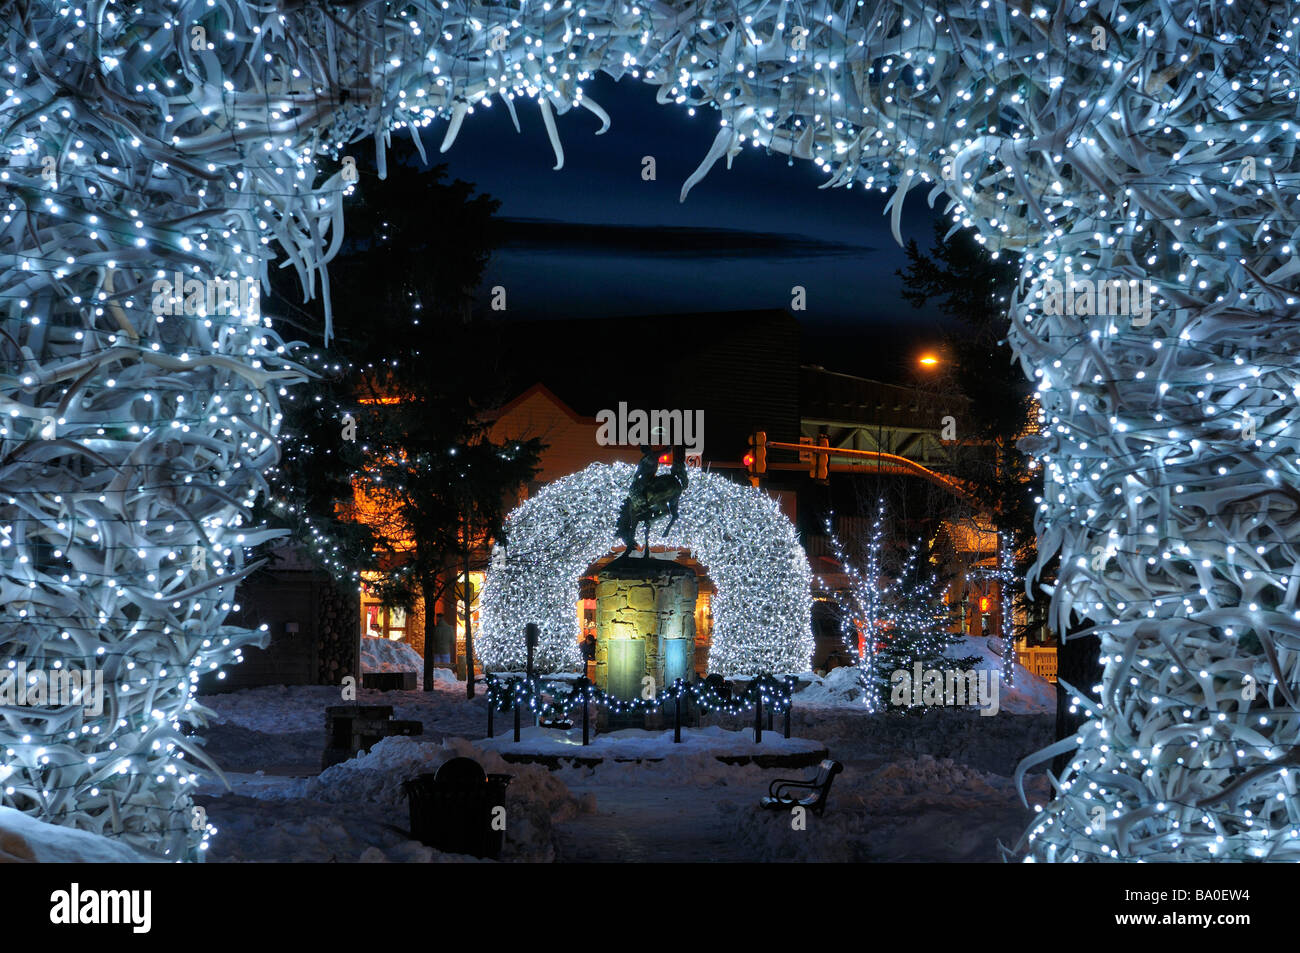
[(1151, 140)]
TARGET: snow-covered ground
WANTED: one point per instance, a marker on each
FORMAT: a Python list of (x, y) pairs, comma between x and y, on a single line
[(356, 811), (917, 786), (630, 744)]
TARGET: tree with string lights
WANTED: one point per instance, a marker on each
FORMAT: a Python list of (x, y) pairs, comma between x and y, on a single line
[(387, 446), (894, 609)]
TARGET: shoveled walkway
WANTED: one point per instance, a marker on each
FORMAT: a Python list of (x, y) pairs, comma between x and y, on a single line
[(649, 825)]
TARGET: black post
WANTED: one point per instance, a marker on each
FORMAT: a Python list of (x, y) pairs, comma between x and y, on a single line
[(531, 634), (492, 707), (677, 714), (586, 717), (516, 716), (789, 704), (758, 716)]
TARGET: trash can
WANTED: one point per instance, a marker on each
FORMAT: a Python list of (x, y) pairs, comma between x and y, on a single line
[(452, 810)]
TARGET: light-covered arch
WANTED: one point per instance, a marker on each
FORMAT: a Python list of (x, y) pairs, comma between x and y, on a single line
[(762, 608), (1151, 140)]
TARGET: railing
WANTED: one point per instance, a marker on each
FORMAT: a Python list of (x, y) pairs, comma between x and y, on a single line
[(1040, 660), (537, 693)]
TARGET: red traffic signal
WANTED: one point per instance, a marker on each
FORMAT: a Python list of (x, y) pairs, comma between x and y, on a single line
[(756, 459)]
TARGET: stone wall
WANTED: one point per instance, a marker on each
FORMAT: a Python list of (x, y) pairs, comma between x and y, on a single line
[(652, 600), (339, 638)]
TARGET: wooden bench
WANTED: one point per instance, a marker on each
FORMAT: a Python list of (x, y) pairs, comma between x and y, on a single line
[(785, 794), (389, 681)]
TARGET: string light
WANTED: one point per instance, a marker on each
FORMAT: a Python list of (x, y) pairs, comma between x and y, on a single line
[(898, 621)]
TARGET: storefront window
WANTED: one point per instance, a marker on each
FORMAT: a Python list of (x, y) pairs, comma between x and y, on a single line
[(377, 621)]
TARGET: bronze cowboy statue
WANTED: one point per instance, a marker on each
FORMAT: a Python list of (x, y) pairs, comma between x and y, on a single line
[(651, 496)]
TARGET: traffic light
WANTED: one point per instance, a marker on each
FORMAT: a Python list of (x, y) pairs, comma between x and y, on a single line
[(822, 461), (756, 459)]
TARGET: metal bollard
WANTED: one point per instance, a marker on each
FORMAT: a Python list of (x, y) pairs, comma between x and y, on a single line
[(758, 718), (677, 713), (516, 718), (789, 705), (586, 713)]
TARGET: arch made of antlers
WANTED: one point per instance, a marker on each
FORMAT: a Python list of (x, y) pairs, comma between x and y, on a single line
[(1138, 157)]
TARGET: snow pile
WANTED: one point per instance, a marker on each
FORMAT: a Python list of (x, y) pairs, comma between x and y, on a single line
[(1031, 694), (632, 743), (261, 829), (838, 687), (388, 655), (922, 809), (444, 678), (24, 839), (535, 799)]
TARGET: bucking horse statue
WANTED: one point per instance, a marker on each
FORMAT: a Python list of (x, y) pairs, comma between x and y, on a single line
[(651, 496)]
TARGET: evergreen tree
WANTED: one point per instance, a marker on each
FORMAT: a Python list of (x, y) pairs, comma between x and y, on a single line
[(389, 446)]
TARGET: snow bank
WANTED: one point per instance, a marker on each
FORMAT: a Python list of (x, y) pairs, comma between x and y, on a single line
[(840, 687), (1031, 694), (535, 799), (631, 743), (260, 829), (444, 678), (24, 839), (387, 655)]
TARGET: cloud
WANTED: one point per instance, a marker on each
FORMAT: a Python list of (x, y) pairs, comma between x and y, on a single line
[(547, 236)]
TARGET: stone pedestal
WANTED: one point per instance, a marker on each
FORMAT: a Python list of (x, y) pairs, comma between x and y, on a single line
[(645, 626)]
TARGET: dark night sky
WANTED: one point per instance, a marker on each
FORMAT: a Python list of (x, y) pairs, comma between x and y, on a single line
[(594, 239)]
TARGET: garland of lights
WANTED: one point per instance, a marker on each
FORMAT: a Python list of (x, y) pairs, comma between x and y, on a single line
[(538, 695), (762, 610), (1151, 140)]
